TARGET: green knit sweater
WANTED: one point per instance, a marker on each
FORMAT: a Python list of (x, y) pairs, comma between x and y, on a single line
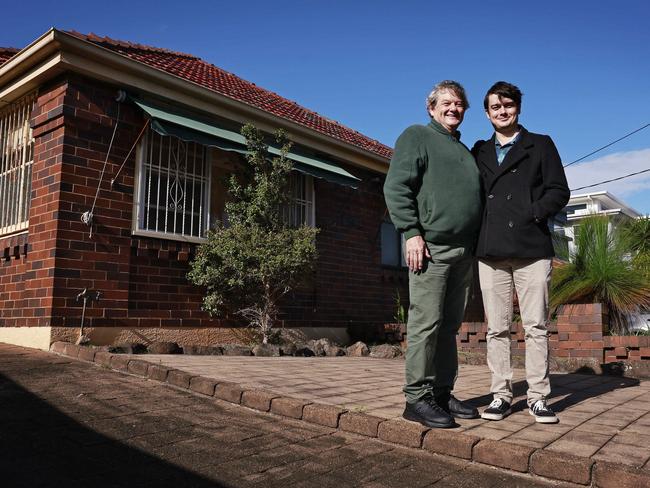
[(432, 188)]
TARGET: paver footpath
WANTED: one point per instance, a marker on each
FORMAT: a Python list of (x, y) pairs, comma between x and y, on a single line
[(603, 437), (67, 423)]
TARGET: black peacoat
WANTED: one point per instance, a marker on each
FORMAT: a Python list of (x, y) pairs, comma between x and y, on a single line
[(520, 195)]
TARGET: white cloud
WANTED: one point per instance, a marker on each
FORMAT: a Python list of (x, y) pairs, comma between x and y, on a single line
[(609, 167)]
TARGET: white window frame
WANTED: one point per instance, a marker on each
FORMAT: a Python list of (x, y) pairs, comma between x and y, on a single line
[(16, 163), (144, 193), (301, 209)]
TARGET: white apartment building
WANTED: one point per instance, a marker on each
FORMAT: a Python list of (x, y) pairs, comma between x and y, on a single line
[(596, 203)]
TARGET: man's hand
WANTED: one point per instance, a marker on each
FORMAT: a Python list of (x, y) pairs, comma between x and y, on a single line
[(416, 252)]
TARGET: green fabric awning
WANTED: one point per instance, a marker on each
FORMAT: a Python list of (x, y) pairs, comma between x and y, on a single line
[(167, 123)]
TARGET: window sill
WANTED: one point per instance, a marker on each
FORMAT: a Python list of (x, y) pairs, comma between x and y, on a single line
[(168, 237)]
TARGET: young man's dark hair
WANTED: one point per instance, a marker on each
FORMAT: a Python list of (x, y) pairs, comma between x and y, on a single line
[(504, 89)]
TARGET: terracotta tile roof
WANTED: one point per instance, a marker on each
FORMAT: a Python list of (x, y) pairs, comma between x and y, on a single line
[(196, 70), (6, 53)]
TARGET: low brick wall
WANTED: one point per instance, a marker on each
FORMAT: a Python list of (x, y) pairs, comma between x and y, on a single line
[(626, 348), (577, 332), (576, 341)]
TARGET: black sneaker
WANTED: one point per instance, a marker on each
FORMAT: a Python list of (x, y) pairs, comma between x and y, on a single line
[(542, 413), (496, 410), (454, 407), (427, 412)]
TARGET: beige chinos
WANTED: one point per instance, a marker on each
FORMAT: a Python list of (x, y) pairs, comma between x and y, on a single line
[(531, 279)]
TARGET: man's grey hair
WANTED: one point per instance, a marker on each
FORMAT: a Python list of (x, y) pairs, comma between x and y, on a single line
[(447, 85)]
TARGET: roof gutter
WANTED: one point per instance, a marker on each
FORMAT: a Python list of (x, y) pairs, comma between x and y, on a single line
[(56, 52)]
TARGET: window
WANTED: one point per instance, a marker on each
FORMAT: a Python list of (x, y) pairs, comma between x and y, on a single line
[(173, 188), (300, 210), (572, 209), (16, 160), (392, 246)]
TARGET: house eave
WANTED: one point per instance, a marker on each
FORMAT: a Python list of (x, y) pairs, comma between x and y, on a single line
[(56, 52)]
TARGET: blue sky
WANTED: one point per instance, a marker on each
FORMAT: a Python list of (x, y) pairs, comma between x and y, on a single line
[(584, 67)]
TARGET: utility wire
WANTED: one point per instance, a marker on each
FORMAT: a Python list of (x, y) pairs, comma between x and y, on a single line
[(110, 145), (613, 179), (604, 147)]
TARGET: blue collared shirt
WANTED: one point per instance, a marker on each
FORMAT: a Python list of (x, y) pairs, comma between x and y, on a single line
[(503, 150)]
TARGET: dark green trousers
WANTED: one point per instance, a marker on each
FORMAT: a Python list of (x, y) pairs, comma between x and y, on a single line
[(438, 296)]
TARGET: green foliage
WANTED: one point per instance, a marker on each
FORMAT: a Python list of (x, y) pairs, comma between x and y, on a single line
[(400, 312), (258, 193), (603, 269), (637, 232), (560, 246), (248, 265)]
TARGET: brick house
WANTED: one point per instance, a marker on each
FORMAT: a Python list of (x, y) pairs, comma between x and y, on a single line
[(149, 169)]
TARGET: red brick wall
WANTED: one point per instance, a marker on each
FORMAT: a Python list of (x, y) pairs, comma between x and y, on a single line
[(350, 287), (14, 302), (142, 280), (627, 348), (27, 275), (580, 329)]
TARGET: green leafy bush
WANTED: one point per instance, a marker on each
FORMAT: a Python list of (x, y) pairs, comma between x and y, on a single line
[(250, 263)]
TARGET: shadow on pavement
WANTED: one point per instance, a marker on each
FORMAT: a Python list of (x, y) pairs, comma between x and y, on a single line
[(43, 447), (574, 387), (581, 387)]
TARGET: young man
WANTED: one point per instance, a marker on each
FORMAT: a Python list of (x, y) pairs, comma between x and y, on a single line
[(524, 185), (432, 191)]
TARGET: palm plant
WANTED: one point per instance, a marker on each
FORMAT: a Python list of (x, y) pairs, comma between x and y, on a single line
[(637, 232), (603, 269)]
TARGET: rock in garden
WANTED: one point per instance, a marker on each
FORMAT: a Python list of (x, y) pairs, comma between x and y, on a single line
[(236, 350), (203, 350), (333, 350), (304, 351), (319, 346), (164, 348), (266, 350), (288, 349), (358, 349), (385, 351)]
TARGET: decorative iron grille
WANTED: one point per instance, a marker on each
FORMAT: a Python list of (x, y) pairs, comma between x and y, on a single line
[(16, 160), (174, 187)]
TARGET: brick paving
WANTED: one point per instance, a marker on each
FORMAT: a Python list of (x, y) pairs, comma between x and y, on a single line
[(602, 418), (69, 423)]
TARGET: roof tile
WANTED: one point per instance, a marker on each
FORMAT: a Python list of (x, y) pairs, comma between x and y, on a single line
[(6, 53), (194, 69)]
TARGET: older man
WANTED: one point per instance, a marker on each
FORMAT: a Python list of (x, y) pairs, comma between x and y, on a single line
[(524, 185), (432, 191)]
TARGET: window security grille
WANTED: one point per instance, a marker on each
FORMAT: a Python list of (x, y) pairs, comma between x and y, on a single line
[(16, 160), (300, 209), (174, 187)]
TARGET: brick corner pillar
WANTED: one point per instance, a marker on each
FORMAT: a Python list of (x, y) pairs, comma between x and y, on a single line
[(47, 122), (96, 256)]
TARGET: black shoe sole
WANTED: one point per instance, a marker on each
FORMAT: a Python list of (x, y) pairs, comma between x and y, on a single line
[(465, 416), (433, 425)]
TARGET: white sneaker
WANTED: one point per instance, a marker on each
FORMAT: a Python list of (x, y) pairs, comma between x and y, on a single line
[(498, 409), (542, 413)]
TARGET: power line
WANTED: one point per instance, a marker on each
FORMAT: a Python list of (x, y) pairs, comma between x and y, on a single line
[(604, 147), (609, 181)]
